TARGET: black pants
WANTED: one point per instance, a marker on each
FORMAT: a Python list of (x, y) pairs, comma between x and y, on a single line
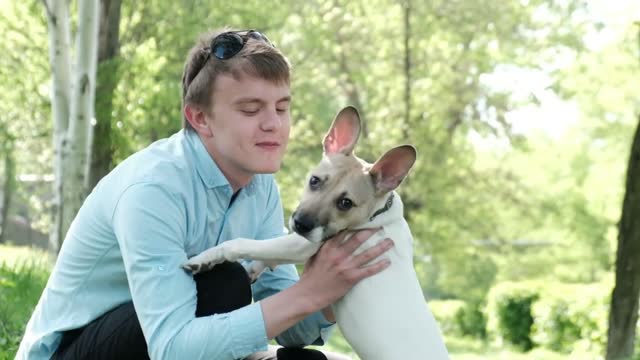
[(117, 333)]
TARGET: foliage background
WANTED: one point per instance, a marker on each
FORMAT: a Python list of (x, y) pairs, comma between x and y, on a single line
[(522, 112)]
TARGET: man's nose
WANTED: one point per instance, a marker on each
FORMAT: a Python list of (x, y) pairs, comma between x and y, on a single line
[(271, 121)]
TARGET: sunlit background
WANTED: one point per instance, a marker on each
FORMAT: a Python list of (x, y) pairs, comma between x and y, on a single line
[(523, 113)]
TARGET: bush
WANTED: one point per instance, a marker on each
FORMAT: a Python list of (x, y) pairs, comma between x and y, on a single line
[(445, 312), (554, 326), (457, 317), (515, 319), (510, 314), (567, 318), (573, 317), (471, 321)]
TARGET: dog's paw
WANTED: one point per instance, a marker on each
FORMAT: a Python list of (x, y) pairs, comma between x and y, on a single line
[(192, 268), (203, 262), (257, 267), (195, 268)]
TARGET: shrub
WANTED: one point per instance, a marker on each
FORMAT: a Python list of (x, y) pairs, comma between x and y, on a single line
[(568, 318), (554, 326), (516, 320), (510, 315), (573, 317), (445, 312), (471, 321), (457, 317)]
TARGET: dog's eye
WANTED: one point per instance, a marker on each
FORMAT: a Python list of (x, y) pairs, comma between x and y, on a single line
[(314, 182), (345, 204)]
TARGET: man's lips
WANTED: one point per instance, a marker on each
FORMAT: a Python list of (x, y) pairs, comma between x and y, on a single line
[(268, 145)]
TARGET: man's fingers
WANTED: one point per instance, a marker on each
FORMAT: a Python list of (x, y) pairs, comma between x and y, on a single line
[(373, 252), (358, 239), (360, 273)]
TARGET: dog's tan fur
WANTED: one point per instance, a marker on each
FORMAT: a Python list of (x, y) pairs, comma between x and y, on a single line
[(344, 175)]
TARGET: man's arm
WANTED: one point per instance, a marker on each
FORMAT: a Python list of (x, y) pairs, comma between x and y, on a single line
[(151, 227)]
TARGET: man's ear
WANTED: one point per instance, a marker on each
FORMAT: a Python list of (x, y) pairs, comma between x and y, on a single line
[(389, 171), (197, 119), (343, 134)]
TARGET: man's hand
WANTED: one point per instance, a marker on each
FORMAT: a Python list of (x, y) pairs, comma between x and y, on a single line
[(327, 276), (334, 269)]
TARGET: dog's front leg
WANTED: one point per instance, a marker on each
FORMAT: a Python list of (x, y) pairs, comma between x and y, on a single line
[(288, 249)]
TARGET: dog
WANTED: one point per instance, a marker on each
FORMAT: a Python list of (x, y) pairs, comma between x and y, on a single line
[(385, 316)]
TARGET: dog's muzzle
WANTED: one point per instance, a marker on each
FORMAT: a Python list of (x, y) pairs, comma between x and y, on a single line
[(302, 224), (308, 227)]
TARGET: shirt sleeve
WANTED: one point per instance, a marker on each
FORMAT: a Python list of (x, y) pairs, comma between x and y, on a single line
[(314, 329), (150, 223)]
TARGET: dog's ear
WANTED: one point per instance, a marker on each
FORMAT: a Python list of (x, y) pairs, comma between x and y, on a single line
[(392, 167), (343, 133)]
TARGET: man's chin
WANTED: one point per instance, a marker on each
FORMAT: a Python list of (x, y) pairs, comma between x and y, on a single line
[(267, 169)]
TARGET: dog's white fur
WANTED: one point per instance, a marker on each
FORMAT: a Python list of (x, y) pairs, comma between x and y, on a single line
[(383, 317)]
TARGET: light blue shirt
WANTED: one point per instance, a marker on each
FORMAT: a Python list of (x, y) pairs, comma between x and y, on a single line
[(155, 210)]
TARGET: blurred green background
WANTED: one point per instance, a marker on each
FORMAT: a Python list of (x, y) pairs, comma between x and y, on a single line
[(522, 111)]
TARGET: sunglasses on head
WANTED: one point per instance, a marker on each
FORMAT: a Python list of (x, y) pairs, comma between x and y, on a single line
[(228, 44)]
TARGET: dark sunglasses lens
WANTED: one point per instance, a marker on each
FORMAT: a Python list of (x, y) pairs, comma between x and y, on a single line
[(226, 46)]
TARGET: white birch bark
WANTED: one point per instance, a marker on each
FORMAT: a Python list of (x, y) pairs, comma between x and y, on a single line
[(59, 49), (76, 164), (73, 107)]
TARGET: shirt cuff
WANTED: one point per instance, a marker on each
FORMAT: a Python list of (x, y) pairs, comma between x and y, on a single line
[(313, 330), (326, 328), (248, 331)]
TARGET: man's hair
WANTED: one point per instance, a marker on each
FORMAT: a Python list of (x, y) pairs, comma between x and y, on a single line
[(257, 59)]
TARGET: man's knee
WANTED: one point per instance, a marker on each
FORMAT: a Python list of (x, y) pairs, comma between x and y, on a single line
[(224, 288), (114, 335), (280, 353), (300, 353)]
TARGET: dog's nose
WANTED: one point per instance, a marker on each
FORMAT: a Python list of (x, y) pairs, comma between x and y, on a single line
[(302, 224)]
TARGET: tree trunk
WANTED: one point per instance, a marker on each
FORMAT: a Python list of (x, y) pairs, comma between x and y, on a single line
[(8, 187), (623, 314), (59, 49), (78, 156), (108, 64), (407, 70), (73, 106)]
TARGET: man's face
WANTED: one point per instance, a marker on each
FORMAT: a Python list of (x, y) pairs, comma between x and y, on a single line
[(249, 126)]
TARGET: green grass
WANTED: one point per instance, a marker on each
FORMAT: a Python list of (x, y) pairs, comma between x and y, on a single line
[(23, 275)]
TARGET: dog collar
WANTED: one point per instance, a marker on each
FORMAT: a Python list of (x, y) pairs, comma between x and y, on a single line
[(387, 206)]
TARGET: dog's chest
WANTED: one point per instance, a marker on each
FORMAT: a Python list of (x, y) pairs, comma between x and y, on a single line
[(398, 231)]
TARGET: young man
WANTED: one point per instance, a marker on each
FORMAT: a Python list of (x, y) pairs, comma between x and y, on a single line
[(117, 290)]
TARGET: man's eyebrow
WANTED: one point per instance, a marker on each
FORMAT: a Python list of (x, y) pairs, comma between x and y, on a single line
[(260, 101), (248, 101)]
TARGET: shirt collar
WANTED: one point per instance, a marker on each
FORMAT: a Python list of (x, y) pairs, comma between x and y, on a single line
[(208, 170)]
